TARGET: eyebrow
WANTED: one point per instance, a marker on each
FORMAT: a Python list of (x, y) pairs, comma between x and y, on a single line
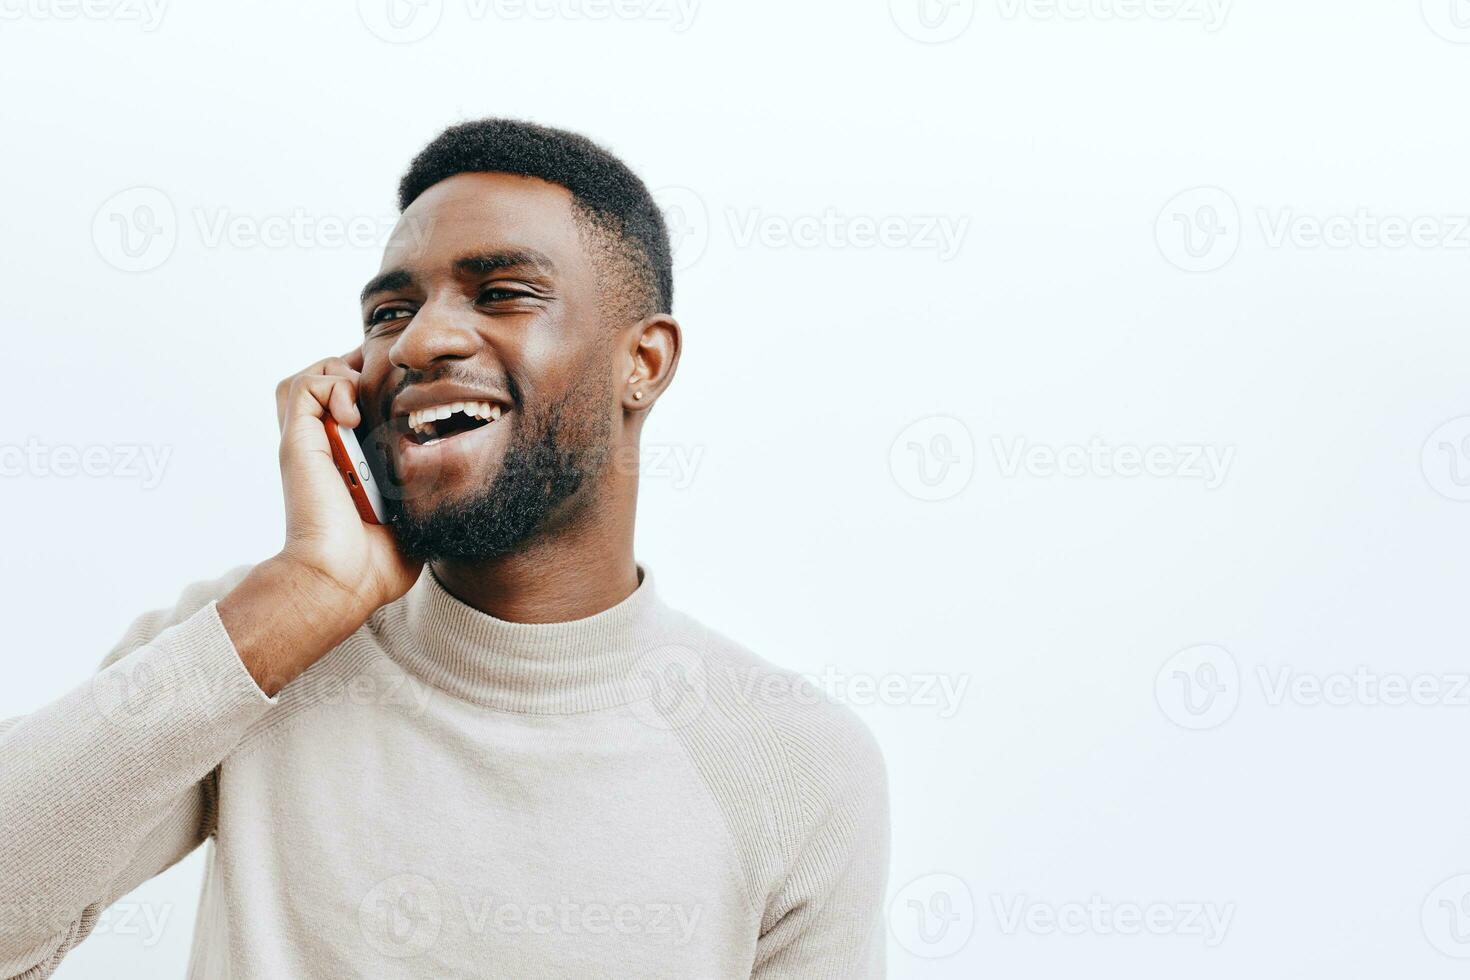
[(387, 282), (470, 265)]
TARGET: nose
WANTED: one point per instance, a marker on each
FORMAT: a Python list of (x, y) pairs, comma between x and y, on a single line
[(437, 332)]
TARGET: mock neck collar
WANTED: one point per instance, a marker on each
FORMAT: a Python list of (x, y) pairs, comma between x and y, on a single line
[(531, 668)]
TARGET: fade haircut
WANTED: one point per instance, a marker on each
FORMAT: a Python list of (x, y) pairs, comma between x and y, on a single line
[(618, 219)]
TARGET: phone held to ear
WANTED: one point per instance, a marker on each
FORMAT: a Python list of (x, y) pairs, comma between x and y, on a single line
[(352, 463)]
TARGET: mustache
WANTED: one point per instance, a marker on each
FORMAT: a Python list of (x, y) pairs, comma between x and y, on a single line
[(455, 375)]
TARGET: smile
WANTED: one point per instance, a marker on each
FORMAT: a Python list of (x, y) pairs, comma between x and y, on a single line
[(436, 423)]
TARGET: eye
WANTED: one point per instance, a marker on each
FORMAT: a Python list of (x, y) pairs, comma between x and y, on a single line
[(500, 294), (386, 314)]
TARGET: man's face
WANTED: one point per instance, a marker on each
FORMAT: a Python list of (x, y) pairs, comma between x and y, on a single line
[(486, 300)]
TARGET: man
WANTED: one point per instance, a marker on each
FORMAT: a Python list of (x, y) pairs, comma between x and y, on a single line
[(473, 742)]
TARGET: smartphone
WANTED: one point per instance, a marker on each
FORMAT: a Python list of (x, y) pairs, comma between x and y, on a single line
[(356, 472)]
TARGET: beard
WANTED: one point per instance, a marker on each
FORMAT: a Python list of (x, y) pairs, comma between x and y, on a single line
[(550, 458)]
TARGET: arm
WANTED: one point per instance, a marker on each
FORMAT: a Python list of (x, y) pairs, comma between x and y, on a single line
[(826, 919), (110, 784), (105, 786)]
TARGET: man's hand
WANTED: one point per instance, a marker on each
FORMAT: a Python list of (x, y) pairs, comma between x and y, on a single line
[(335, 570)]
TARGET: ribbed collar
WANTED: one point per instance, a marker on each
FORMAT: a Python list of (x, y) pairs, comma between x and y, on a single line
[(532, 668)]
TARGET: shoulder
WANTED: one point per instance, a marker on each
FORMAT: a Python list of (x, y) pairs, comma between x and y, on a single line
[(194, 597), (788, 708), (788, 763)]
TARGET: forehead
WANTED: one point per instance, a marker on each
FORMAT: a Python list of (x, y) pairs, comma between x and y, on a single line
[(482, 213)]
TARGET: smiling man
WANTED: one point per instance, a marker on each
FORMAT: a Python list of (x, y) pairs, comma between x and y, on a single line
[(473, 742)]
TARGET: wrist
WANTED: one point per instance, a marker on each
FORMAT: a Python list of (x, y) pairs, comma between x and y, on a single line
[(284, 616)]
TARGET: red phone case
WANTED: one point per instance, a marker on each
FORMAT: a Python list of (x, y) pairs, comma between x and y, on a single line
[(348, 468)]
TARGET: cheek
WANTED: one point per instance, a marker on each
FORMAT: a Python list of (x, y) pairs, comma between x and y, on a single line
[(372, 384)]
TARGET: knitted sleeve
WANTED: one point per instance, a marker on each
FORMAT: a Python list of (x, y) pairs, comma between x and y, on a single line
[(109, 785)]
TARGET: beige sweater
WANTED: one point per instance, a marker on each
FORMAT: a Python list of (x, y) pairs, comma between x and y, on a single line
[(447, 794)]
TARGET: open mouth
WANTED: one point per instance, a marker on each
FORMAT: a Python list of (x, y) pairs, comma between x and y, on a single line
[(440, 422)]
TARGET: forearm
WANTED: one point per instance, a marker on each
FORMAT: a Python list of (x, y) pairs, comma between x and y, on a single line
[(86, 780)]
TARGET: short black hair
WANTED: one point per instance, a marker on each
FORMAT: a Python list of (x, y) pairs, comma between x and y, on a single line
[(613, 202)]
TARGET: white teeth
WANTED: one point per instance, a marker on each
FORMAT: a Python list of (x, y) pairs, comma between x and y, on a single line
[(418, 420)]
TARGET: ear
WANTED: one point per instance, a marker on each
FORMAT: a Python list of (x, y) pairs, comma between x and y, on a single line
[(649, 360)]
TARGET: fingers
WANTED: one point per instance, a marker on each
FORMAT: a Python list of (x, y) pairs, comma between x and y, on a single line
[(327, 387)]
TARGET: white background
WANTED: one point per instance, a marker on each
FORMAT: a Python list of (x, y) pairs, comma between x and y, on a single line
[(1077, 767)]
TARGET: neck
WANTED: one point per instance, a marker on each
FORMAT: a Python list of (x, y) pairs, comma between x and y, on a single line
[(570, 573)]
